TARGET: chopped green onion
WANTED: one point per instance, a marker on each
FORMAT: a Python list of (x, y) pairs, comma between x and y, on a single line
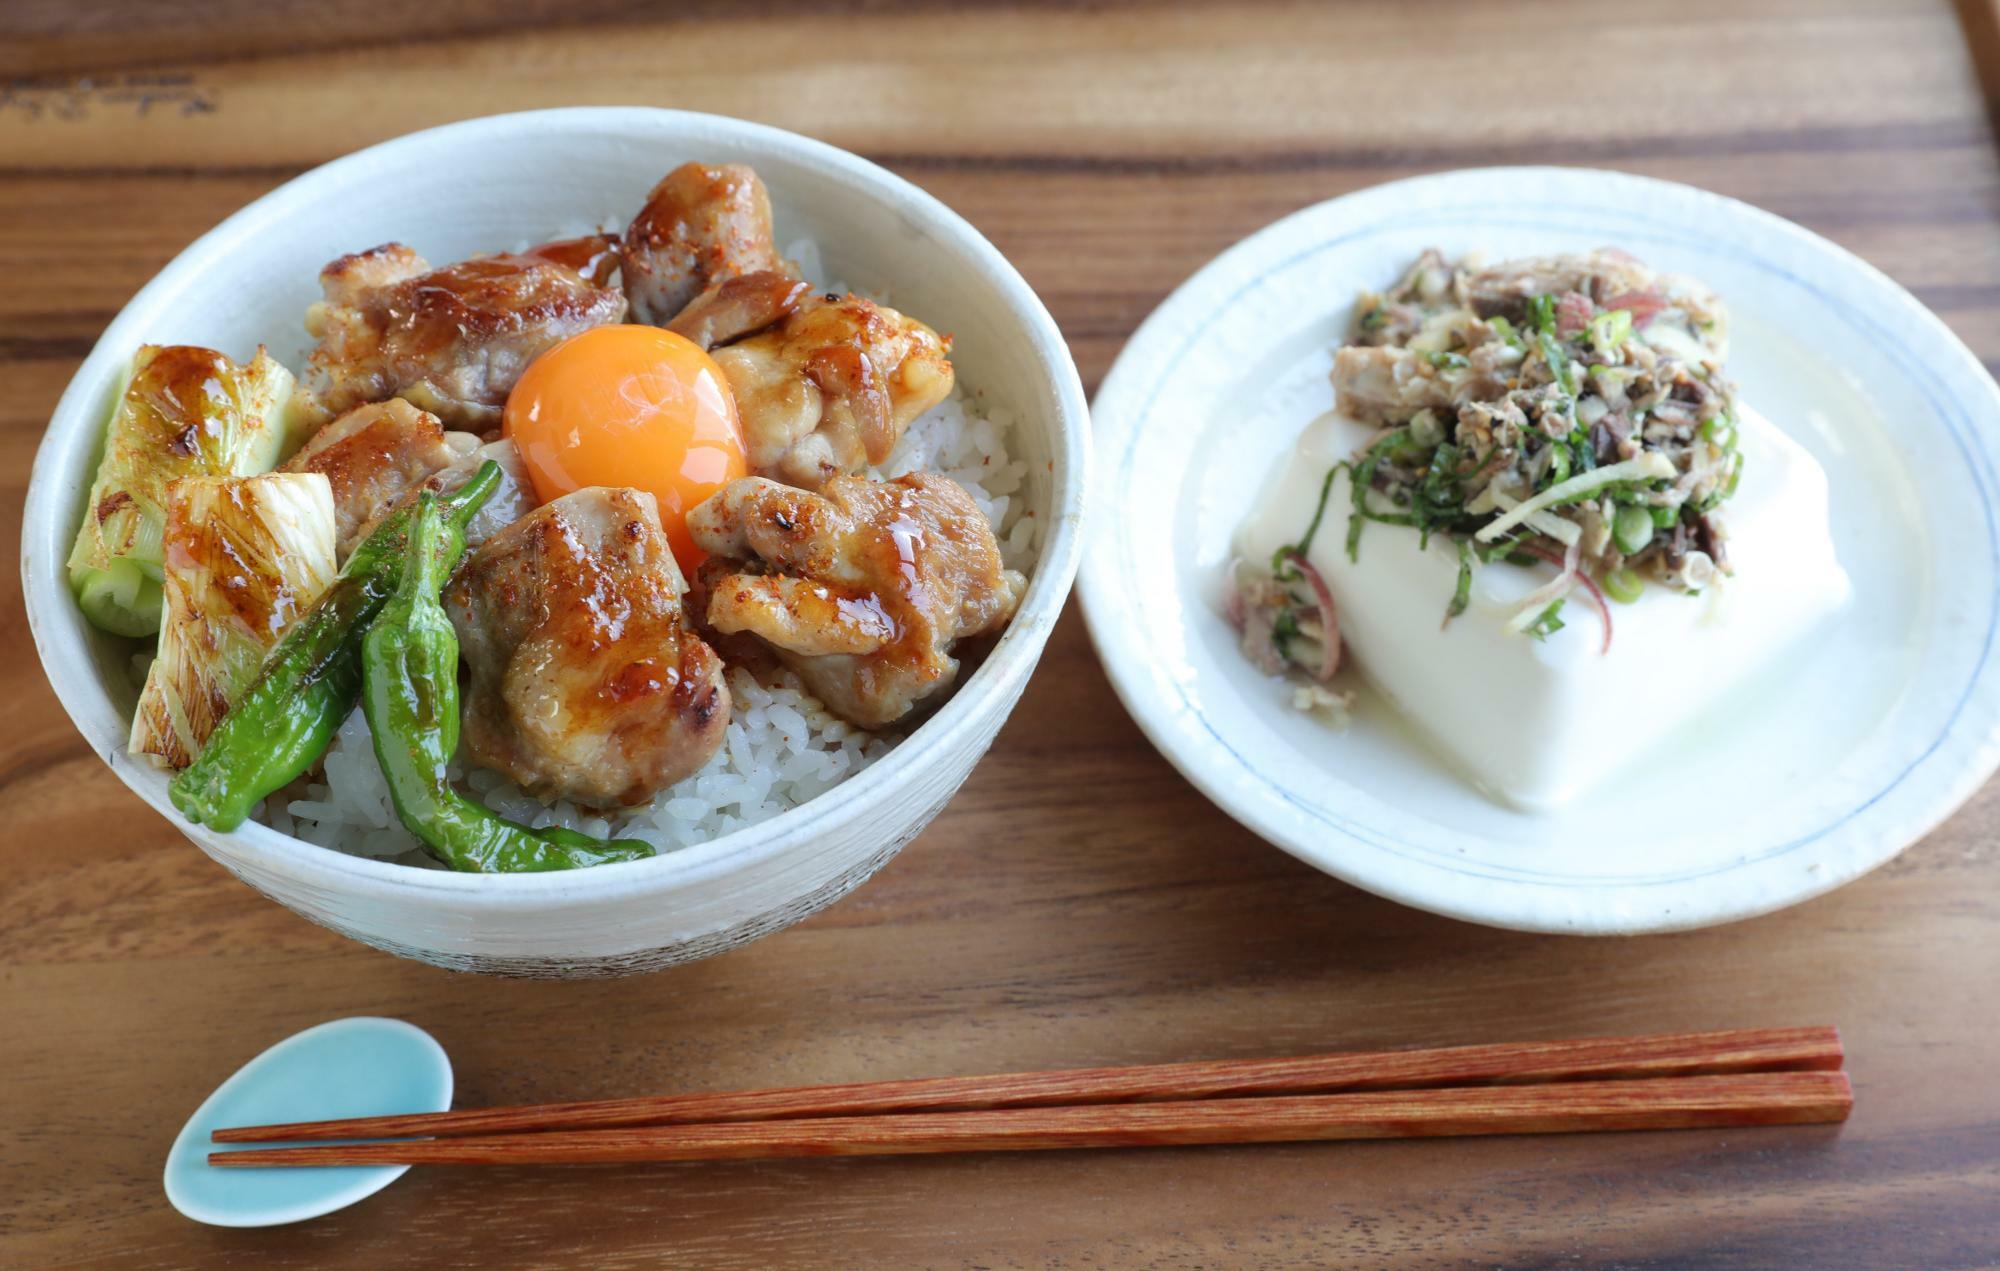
[(1447, 361), (1546, 622), (1375, 319), (1505, 330), (1559, 464), (1623, 585), (1632, 529), (1664, 518), (1721, 431), (1609, 331)]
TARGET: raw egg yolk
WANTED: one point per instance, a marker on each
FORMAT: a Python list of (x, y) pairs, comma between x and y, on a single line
[(629, 406)]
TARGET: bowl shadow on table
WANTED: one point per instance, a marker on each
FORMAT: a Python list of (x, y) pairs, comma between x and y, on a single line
[(1125, 864), (1077, 872), (1122, 919)]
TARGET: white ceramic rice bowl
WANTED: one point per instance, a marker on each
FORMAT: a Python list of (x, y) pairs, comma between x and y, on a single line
[(485, 185)]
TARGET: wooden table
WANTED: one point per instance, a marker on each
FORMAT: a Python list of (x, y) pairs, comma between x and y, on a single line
[(1077, 902)]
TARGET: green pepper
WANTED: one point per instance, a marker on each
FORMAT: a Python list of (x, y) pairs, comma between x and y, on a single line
[(311, 679), (409, 663)]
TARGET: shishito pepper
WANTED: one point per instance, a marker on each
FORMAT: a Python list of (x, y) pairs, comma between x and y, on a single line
[(409, 662), (311, 680)]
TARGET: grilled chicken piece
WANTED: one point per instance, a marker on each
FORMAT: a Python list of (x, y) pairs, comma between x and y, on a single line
[(451, 340), (1592, 282), (1378, 386), (861, 589), (595, 256), (373, 456), (586, 683), (700, 226), (1601, 274), (832, 388), (739, 306)]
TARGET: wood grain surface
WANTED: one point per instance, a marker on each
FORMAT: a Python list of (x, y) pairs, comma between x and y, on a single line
[(1077, 903)]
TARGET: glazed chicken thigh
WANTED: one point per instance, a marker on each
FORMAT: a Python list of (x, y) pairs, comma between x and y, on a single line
[(373, 456), (861, 589), (701, 226), (451, 340), (739, 306), (586, 683), (832, 387)]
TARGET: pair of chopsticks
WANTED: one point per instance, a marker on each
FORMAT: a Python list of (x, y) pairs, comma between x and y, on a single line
[(1749, 1077)]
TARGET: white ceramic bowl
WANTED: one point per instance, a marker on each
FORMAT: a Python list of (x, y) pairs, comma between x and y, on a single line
[(1850, 745), (486, 185)]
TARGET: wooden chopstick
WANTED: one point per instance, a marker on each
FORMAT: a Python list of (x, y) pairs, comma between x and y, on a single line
[(1601, 1058), (1737, 1099)]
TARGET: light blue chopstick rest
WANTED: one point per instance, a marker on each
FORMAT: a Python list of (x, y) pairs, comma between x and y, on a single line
[(365, 1066)]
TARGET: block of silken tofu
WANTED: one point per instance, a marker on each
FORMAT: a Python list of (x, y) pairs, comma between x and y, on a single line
[(1538, 723)]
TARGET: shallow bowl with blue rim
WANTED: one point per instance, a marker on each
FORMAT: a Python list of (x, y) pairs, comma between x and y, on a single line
[(1832, 761)]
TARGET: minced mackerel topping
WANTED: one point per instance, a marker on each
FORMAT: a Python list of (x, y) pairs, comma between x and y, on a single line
[(1561, 411)]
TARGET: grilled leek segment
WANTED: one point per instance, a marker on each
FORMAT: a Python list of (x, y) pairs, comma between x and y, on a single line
[(185, 412), (244, 557)]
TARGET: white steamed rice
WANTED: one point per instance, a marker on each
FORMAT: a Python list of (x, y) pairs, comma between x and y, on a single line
[(782, 747)]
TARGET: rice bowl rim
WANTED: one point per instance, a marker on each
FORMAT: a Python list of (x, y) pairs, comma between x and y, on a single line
[(61, 634)]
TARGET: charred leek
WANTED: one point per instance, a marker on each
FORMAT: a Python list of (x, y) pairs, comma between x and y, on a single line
[(247, 556), (186, 412)]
